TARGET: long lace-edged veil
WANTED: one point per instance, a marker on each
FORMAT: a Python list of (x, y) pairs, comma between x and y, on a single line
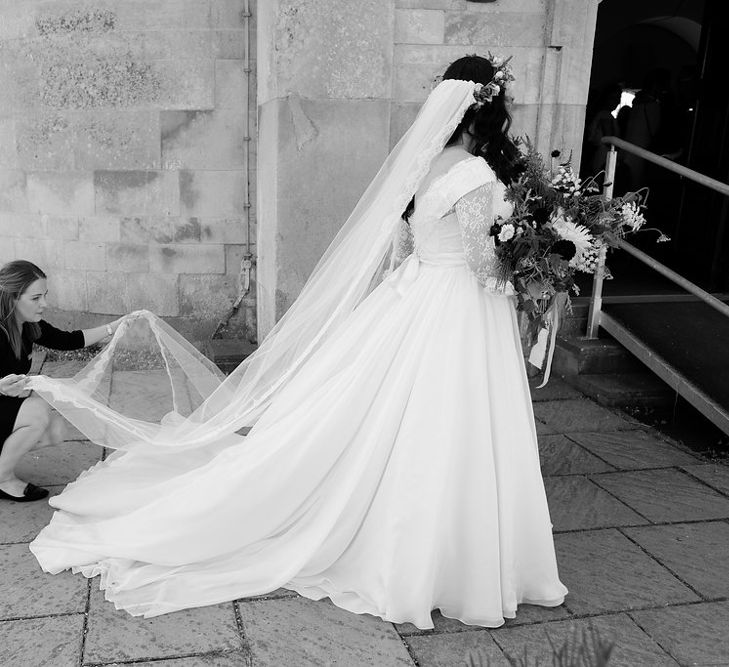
[(187, 402)]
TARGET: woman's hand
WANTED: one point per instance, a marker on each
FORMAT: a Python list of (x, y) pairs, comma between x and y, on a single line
[(14, 385)]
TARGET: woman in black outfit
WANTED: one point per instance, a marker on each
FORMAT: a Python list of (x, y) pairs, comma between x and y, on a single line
[(25, 419)]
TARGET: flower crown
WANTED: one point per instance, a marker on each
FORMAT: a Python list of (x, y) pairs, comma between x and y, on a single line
[(503, 76)]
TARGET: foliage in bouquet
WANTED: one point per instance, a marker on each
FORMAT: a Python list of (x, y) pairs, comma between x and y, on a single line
[(558, 227)]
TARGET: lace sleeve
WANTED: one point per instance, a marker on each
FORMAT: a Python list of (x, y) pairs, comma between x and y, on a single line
[(475, 217), (404, 244)]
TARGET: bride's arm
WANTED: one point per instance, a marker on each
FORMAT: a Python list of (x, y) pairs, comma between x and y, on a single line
[(475, 217)]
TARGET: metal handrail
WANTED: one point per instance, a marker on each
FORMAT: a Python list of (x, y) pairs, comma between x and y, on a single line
[(593, 317), (670, 165)]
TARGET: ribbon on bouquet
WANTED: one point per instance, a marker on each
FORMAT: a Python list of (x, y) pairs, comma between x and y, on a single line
[(547, 337)]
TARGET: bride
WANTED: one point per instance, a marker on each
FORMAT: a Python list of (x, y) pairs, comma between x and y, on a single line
[(391, 462)]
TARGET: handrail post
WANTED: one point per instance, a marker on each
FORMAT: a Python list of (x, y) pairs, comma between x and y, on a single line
[(593, 315)]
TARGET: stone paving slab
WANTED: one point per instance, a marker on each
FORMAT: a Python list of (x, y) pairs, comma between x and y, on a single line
[(41, 642), (715, 475), (543, 429), (318, 634), (556, 389), (455, 650), (26, 591), (115, 635), (572, 416), (665, 495), (142, 395), (561, 456), (21, 522), (631, 646), (633, 450), (693, 634), (60, 464), (604, 571), (575, 503), (697, 552), (203, 660)]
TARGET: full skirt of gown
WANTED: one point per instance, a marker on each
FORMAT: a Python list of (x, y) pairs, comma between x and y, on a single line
[(396, 474)]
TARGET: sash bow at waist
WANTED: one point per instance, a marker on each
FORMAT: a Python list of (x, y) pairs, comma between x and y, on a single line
[(407, 273)]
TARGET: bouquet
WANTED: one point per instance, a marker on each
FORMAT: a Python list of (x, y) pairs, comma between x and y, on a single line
[(560, 225)]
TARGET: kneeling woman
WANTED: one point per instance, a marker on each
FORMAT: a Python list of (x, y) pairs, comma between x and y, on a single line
[(25, 419)]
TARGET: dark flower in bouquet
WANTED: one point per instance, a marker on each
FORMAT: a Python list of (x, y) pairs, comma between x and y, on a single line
[(559, 226)]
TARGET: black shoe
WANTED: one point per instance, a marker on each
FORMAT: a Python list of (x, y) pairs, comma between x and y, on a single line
[(31, 492)]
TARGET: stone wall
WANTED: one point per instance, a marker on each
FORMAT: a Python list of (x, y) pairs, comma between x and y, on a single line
[(123, 155), (341, 80)]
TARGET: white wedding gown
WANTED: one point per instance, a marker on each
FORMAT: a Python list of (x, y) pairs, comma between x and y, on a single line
[(396, 474)]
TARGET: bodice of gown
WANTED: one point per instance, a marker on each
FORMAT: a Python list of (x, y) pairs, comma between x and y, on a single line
[(452, 219)]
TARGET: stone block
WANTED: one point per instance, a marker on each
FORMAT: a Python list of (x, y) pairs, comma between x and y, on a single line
[(212, 193), (84, 255), (575, 503), (187, 258), (185, 83), (631, 450), (666, 495), (7, 249), (45, 142), (116, 636), (119, 139), (130, 193), (167, 15), (419, 26), (606, 572), (560, 456), (205, 296), (160, 229), (311, 49), (535, 645), (67, 289), (46, 254), (692, 634), (579, 415), (318, 633), (556, 389), (456, 650), (26, 591), (107, 292), (127, 257), (165, 44), (223, 230), (99, 229), (230, 45), (59, 228), (61, 193), (229, 14), (13, 191), (413, 82), (233, 86), (48, 642), (19, 83), (234, 254), (524, 124), (156, 292), (203, 139), (8, 148), (696, 552), (145, 395), (497, 29), (521, 6), (21, 522), (23, 225), (715, 475)]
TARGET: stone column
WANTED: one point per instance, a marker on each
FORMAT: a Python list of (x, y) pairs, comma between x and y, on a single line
[(324, 89)]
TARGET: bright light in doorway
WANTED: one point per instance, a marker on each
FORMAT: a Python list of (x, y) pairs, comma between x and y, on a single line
[(626, 100)]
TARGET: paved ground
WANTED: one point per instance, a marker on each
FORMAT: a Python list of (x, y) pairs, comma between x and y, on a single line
[(642, 534)]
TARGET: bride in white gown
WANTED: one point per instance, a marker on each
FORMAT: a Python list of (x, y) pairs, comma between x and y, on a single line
[(392, 464)]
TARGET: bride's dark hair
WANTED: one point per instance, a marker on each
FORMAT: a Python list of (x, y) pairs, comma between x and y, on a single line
[(488, 124)]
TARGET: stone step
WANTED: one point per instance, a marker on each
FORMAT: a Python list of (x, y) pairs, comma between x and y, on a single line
[(578, 356), (624, 389), (227, 354)]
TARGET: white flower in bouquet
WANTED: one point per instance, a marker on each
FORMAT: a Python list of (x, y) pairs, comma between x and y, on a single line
[(565, 180), (507, 232), (632, 216), (568, 230)]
